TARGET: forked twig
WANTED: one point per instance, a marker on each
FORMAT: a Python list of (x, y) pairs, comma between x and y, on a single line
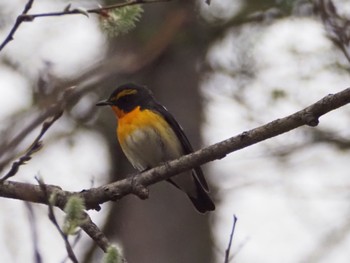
[(18, 22), (53, 219)]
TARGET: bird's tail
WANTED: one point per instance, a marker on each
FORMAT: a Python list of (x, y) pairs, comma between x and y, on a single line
[(202, 201)]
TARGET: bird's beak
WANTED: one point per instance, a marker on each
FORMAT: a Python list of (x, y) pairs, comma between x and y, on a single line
[(103, 103)]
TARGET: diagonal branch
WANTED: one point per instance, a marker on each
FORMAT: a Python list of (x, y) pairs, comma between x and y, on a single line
[(308, 116), (36, 146), (18, 22), (53, 219), (94, 197)]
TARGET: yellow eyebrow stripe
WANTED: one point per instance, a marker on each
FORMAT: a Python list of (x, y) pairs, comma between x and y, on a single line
[(125, 92)]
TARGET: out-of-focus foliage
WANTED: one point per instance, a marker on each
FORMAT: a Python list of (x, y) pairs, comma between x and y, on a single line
[(112, 255), (74, 215), (121, 20)]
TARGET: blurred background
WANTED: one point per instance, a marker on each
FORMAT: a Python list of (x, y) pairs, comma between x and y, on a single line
[(220, 69)]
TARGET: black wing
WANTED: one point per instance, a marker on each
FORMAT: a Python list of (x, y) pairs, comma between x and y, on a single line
[(197, 171)]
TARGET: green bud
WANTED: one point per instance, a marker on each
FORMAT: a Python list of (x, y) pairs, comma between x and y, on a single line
[(74, 215), (121, 20), (112, 255)]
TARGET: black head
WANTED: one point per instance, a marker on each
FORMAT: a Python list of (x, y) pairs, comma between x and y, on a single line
[(128, 96)]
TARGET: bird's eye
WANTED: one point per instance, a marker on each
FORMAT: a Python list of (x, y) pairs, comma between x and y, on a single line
[(125, 99)]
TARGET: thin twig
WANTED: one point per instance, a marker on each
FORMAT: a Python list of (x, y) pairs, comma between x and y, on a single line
[(53, 219), (34, 232), (100, 10), (15, 141), (18, 22), (336, 26), (25, 17), (227, 251), (36, 146), (75, 242)]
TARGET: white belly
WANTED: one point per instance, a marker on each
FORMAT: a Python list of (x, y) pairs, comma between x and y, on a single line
[(146, 149)]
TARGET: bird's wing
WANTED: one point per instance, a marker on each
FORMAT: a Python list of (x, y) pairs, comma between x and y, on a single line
[(197, 171)]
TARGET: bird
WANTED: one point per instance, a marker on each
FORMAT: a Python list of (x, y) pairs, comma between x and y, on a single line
[(149, 136)]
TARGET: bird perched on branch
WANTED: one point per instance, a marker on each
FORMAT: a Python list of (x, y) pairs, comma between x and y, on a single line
[(149, 135)]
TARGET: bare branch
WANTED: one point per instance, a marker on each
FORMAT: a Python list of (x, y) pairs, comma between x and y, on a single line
[(18, 22), (75, 242), (34, 232), (227, 251), (5, 146), (36, 146), (308, 116), (25, 17), (99, 11), (94, 197), (53, 219), (336, 26)]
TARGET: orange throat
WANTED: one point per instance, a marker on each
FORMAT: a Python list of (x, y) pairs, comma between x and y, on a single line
[(118, 112), (127, 122)]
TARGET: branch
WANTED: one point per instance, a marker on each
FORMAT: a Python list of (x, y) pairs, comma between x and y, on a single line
[(25, 17), (227, 251), (94, 197), (18, 22), (5, 146), (34, 232), (114, 191), (308, 116), (336, 26), (53, 219), (99, 11), (36, 146)]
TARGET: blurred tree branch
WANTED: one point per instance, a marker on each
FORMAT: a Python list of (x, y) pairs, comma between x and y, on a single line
[(336, 26), (328, 242), (53, 219), (34, 232), (36, 146)]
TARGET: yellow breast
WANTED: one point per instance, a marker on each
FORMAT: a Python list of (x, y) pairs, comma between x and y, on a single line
[(139, 119), (146, 138)]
